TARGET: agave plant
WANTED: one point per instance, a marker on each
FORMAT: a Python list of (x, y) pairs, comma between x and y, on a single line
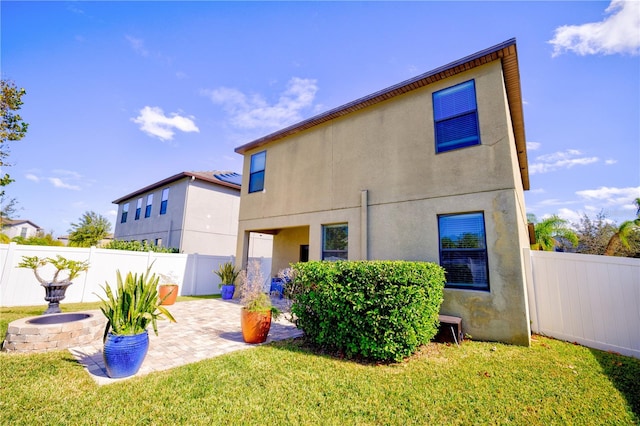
[(134, 305)]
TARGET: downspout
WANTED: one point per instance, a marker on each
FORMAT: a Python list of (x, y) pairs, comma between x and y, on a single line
[(364, 224)]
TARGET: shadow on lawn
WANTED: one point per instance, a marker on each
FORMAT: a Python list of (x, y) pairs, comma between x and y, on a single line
[(624, 373)]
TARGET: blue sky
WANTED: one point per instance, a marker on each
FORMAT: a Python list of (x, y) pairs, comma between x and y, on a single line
[(123, 94)]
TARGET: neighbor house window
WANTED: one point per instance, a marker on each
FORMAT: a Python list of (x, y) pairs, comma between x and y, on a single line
[(256, 172), (138, 208), (125, 212), (456, 117), (165, 200), (463, 250), (335, 242), (23, 232), (159, 242), (147, 211)]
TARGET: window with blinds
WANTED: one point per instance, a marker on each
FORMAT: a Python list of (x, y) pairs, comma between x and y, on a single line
[(256, 171), (147, 210), (335, 242), (125, 213), (456, 117), (164, 201), (463, 250)]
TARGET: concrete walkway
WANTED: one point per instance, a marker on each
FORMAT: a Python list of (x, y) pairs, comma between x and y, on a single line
[(204, 329)]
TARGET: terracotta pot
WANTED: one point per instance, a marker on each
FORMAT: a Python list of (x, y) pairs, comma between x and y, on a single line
[(168, 293), (255, 325)]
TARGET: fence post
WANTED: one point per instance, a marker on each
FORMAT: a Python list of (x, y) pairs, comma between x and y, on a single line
[(531, 290), (6, 273), (92, 252), (194, 273)]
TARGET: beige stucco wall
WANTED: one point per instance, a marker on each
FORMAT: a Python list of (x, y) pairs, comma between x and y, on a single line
[(317, 177)]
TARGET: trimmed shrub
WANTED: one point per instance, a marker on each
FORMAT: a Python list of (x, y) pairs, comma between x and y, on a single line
[(137, 246), (379, 310)]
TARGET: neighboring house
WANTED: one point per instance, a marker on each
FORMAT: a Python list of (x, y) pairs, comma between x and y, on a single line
[(433, 168), (19, 228), (195, 212)]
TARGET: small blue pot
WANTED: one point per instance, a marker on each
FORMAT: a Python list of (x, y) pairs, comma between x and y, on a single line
[(227, 291), (123, 355)]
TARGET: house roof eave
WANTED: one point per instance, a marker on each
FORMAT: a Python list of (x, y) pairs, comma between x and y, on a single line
[(204, 176)]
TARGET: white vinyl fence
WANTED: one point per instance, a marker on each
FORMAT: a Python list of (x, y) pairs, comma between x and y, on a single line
[(193, 272), (591, 300)]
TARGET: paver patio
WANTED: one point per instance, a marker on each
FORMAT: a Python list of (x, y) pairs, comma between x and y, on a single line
[(204, 329)]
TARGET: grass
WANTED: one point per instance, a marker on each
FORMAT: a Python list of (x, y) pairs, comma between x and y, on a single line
[(551, 382)]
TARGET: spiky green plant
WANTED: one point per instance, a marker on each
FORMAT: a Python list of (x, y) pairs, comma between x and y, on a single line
[(134, 305), (227, 273)]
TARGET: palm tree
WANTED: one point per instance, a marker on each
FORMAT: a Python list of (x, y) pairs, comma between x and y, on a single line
[(548, 230), (624, 231)]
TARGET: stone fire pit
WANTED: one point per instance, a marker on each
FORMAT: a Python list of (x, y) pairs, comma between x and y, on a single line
[(52, 332)]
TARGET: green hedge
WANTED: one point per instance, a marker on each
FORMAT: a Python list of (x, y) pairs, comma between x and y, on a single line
[(137, 246), (380, 310)]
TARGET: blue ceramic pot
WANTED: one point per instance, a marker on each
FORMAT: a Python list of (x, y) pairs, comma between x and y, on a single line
[(123, 355), (227, 291)]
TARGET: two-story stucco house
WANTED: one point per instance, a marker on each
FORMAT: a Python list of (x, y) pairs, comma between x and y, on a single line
[(195, 212), (432, 168)]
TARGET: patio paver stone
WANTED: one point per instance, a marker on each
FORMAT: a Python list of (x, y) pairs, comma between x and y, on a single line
[(204, 329)]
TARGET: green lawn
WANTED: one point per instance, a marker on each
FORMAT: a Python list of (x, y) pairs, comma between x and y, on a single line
[(286, 383)]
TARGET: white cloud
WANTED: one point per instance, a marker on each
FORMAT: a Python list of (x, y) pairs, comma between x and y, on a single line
[(532, 146), (59, 183), (572, 216), (154, 122), (32, 177), (619, 32), (610, 162), (612, 197), (253, 111), (137, 45), (560, 160)]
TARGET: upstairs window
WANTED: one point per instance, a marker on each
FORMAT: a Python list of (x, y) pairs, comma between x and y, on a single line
[(335, 242), (138, 208), (147, 211), (125, 212), (256, 172), (463, 250), (456, 117), (165, 200)]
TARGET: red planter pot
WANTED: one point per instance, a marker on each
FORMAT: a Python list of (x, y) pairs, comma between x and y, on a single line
[(255, 325)]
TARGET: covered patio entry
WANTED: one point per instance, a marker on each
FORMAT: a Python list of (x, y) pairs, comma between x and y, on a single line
[(290, 245)]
